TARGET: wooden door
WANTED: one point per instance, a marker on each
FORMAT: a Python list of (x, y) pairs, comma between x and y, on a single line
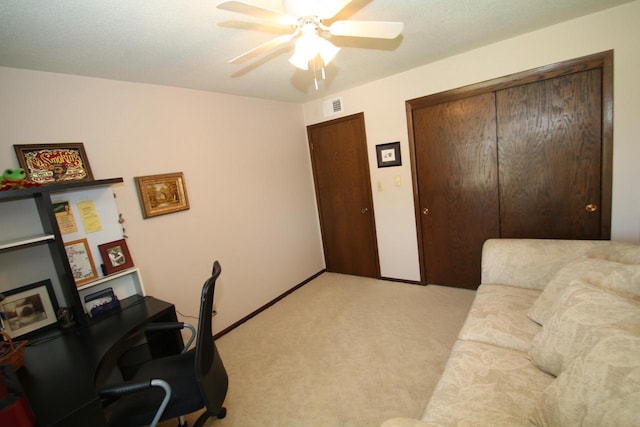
[(457, 183), (549, 135), (553, 142), (343, 190)]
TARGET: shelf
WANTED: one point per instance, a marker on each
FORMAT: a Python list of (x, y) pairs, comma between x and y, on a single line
[(108, 278), (25, 193), (32, 227), (28, 240)]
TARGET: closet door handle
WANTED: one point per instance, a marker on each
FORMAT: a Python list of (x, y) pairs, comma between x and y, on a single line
[(591, 208), (364, 210), (425, 211)]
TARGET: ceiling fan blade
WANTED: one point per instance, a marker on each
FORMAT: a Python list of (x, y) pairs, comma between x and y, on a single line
[(263, 48), (373, 29), (327, 10), (257, 11)]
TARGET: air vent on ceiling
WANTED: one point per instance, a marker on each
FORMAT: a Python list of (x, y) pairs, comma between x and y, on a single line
[(332, 106)]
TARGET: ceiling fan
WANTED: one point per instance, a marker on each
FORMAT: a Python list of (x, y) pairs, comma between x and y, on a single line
[(306, 18)]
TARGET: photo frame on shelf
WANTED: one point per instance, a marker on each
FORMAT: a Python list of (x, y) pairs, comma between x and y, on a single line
[(162, 194), (115, 256), (388, 154), (81, 261), (29, 308), (54, 163)]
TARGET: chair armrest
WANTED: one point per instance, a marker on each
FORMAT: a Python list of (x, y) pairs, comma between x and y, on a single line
[(117, 390), (167, 326)]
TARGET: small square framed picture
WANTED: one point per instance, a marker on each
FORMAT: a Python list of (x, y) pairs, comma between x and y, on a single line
[(115, 256), (388, 154)]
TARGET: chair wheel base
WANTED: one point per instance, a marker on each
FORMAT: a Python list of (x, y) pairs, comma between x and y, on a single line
[(222, 413)]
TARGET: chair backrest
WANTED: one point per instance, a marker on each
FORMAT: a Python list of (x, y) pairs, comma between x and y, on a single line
[(210, 372)]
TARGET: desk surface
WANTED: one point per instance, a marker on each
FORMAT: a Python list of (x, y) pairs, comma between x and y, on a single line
[(63, 369)]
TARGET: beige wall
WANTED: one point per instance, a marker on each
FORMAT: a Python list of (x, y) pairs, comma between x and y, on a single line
[(245, 163), (383, 103)]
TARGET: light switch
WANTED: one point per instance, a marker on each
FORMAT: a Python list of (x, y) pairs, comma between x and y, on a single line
[(397, 180), (379, 184)]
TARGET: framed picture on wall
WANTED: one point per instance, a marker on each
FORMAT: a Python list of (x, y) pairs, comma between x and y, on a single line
[(29, 308), (115, 256), (388, 154), (81, 261), (162, 194), (54, 163)]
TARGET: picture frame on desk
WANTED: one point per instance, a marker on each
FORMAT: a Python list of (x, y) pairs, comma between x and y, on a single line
[(115, 256), (54, 163), (162, 194), (29, 308), (81, 261)]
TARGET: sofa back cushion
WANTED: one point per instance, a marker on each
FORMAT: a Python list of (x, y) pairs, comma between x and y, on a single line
[(581, 318), (622, 252), (542, 307), (599, 388)]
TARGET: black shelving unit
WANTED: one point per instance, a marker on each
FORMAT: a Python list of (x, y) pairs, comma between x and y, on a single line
[(52, 237)]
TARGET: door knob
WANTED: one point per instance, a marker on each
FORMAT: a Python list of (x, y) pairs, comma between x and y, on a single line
[(364, 210), (591, 208), (425, 211)]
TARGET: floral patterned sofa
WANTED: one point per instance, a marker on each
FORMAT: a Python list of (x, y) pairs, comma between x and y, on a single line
[(552, 339)]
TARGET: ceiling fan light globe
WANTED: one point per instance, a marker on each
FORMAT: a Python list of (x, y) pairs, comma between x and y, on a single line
[(306, 50), (300, 61), (326, 50)]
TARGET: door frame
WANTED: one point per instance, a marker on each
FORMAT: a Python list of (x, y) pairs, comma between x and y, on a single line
[(602, 60)]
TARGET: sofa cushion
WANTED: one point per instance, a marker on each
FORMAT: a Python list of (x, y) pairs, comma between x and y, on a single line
[(541, 309), (622, 252), (600, 388), (486, 385), (577, 323), (498, 316), (623, 280)]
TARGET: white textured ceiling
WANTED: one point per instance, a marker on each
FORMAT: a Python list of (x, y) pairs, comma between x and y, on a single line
[(188, 43)]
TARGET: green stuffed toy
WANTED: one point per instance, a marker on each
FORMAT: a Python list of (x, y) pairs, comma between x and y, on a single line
[(15, 179)]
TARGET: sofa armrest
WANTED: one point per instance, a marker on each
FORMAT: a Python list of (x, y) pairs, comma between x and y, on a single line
[(408, 422), (530, 263)]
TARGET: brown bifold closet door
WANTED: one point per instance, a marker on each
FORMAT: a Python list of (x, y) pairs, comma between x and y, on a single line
[(522, 156), (456, 165), (549, 152)]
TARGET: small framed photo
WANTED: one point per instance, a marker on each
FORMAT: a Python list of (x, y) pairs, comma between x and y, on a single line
[(81, 261), (388, 154), (115, 256), (29, 308), (162, 194), (54, 163)]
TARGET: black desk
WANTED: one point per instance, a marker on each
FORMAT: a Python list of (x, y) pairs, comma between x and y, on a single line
[(62, 371)]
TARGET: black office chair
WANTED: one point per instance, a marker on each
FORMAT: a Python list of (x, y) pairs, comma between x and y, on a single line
[(173, 386)]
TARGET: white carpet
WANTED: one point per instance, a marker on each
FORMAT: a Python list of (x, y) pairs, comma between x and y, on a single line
[(341, 351)]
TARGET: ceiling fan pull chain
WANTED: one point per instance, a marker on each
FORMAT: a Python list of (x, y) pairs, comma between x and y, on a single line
[(315, 76)]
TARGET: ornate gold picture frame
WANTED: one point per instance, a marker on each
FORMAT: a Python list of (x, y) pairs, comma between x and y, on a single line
[(162, 194)]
